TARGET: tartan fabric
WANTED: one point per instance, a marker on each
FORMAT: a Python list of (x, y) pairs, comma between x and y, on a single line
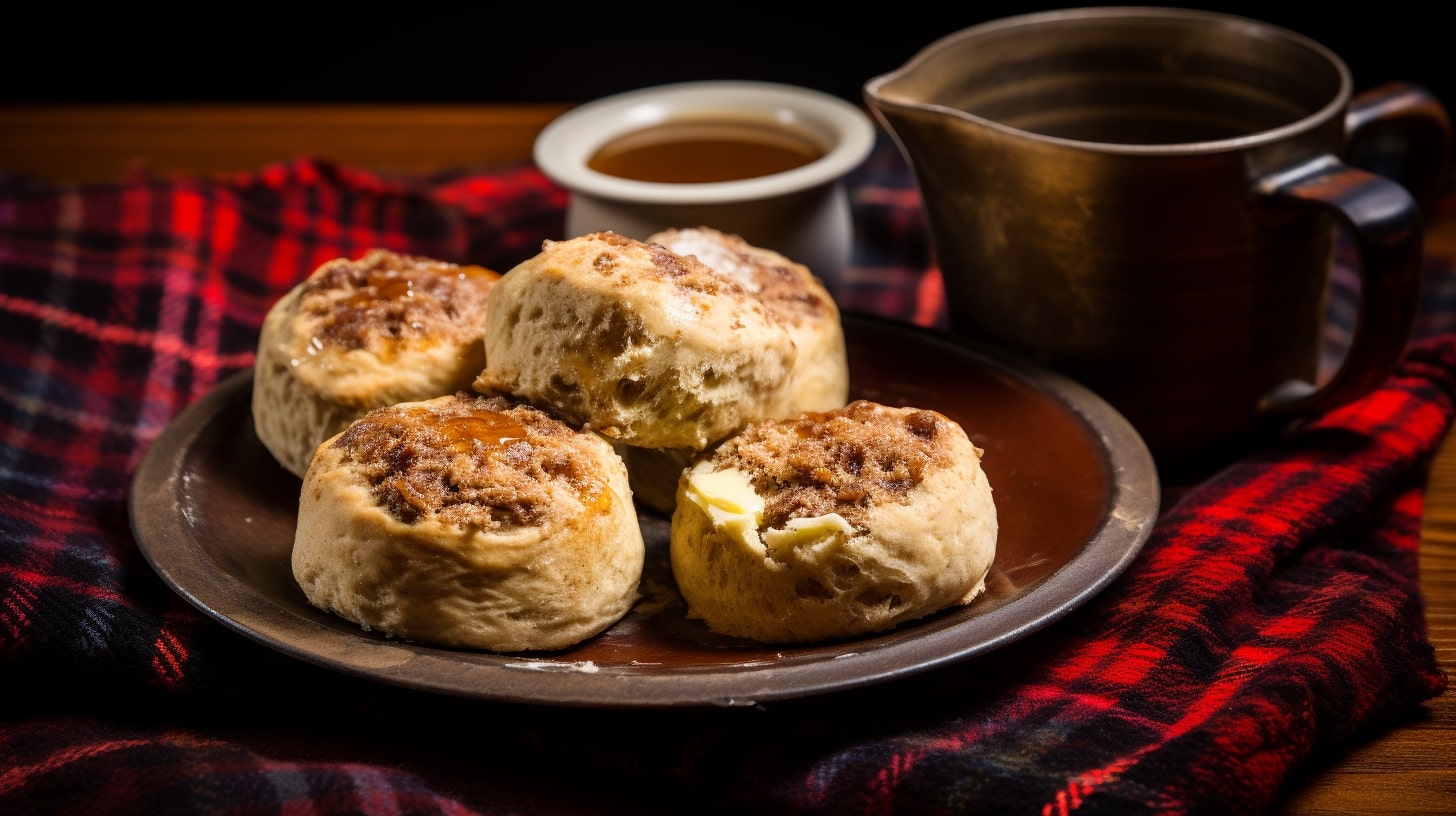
[(1273, 618)]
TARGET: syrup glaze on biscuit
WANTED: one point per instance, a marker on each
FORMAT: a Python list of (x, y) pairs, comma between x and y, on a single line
[(385, 299), (472, 462), (844, 461)]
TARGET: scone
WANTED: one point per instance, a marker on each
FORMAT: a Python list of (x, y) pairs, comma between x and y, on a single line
[(647, 347), (469, 521), (835, 524), (361, 334), (820, 379)]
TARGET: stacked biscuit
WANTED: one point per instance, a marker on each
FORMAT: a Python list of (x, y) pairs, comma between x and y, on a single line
[(363, 334), (698, 374)]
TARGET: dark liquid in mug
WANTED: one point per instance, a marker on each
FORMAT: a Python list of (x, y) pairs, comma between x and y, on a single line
[(1136, 109), (704, 152), (1134, 126)]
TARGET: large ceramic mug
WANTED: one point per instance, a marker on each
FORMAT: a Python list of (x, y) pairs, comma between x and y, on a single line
[(1148, 199)]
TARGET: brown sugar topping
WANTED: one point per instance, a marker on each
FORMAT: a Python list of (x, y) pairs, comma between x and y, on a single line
[(471, 462), (386, 297), (843, 461)]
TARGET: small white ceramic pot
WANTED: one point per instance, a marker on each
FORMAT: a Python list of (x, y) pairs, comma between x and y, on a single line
[(803, 212)]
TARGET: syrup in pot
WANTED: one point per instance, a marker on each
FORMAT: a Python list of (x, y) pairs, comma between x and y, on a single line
[(705, 151)]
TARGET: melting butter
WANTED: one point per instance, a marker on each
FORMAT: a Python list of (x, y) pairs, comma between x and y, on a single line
[(734, 507), (730, 502), (802, 532)]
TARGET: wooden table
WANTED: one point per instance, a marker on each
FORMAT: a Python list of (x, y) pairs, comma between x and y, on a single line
[(1410, 770)]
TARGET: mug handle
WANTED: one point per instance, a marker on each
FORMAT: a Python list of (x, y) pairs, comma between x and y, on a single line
[(1401, 131), (1383, 219)]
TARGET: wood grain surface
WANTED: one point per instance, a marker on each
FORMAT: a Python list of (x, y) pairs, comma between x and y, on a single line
[(1411, 769), (100, 142)]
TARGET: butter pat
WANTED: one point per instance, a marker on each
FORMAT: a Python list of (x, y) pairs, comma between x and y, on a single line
[(801, 532), (730, 502)]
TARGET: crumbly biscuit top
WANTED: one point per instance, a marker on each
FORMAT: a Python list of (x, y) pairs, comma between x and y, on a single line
[(786, 286), (386, 299), (844, 461), (628, 262), (472, 462)]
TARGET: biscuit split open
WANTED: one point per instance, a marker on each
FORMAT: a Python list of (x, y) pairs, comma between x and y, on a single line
[(834, 524)]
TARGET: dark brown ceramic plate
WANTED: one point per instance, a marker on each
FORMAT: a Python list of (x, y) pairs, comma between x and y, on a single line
[(1075, 488)]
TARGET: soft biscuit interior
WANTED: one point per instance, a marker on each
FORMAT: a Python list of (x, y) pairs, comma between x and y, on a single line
[(647, 347), (819, 376)]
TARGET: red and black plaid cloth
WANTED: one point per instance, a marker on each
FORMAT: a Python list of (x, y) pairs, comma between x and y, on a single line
[(1273, 618)]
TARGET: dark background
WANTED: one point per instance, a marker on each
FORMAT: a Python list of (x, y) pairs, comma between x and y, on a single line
[(532, 51)]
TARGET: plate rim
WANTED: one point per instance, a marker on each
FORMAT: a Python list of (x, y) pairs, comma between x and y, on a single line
[(1130, 513)]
